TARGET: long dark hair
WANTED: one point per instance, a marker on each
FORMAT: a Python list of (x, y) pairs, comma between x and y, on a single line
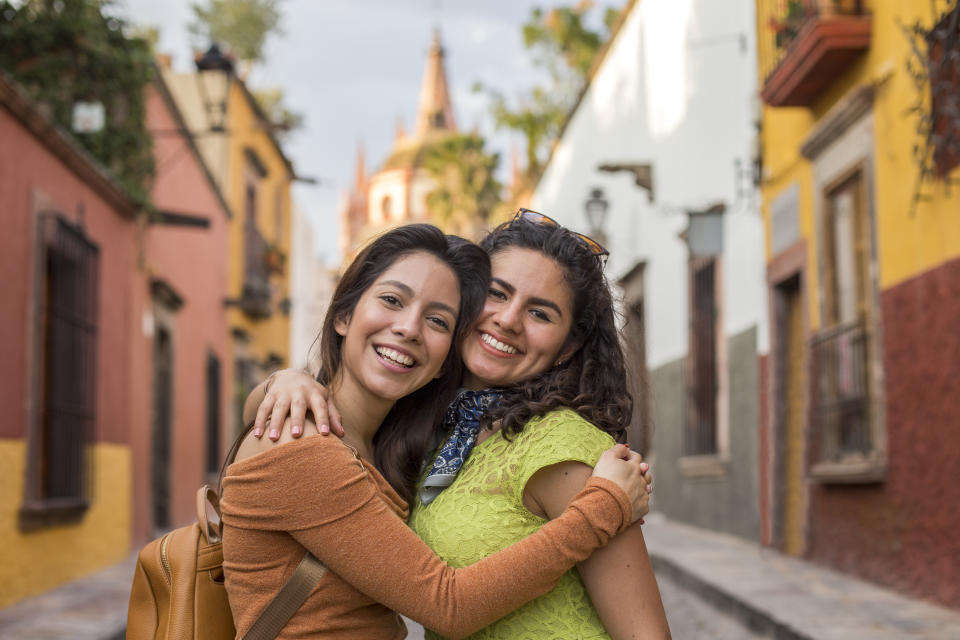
[(593, 381), (404, 435)]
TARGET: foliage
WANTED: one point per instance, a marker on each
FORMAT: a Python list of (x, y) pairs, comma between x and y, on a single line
[(64, 52), (788, 26), (242, 25), (467, 190), (933, 65), (561, 44), (272, 103)]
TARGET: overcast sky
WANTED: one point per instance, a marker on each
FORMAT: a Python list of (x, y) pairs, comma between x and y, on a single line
[(353, 67)]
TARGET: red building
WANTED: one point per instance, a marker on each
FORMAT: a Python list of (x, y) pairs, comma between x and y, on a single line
[(182, 361), (114, 345), (68, 255)]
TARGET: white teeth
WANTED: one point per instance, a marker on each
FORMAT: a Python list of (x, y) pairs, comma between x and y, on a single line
[(396, 357), (496, 344)]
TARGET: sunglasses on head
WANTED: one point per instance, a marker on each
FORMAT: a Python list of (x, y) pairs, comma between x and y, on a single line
[(536, 217)]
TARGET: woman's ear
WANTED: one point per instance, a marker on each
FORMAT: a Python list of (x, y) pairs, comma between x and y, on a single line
[(566, 353), (341, 324)]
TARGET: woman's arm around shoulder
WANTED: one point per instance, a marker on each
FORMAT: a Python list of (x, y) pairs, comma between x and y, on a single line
[(618, 577)]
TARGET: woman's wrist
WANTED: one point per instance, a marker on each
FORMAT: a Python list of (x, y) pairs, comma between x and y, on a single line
[(266, 383)]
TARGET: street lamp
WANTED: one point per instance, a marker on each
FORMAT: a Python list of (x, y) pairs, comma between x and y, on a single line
[(704, 234), (214, 70), (595, 209)]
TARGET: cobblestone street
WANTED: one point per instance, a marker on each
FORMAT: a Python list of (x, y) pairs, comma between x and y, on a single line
[(691, 618)]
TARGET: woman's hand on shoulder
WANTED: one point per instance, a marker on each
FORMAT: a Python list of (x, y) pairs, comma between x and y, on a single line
[(628, 470), (252, 445), (289, 393)]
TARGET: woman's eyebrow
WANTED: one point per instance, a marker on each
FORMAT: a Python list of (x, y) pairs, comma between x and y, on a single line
[(543, 302), (506, 285), (407, 291), (540, 302), (443, 306)]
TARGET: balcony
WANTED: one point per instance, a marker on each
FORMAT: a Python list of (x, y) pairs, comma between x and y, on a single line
[(841, 395), (255, 297), (811, 44)]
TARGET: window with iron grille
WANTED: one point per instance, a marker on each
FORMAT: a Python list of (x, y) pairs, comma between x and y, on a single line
[(840, 351), (65, 323), (701, 428)]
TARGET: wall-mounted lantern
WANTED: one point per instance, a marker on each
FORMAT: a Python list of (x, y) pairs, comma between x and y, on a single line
[(595, 208), (704, 235), (215, 69)]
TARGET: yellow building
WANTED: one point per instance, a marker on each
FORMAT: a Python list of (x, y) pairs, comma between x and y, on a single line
[(238, 142), (859, 149)]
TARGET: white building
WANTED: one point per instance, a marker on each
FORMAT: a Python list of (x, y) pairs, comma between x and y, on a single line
[(311, 286), (673, 98)]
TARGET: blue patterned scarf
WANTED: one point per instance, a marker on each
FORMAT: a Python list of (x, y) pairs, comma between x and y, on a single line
[(462, 422)]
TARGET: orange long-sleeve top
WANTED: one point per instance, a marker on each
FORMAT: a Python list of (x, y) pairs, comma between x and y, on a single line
[(315, 494)]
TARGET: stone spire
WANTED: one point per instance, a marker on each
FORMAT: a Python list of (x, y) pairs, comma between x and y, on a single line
[(360, 178), (434, 111)]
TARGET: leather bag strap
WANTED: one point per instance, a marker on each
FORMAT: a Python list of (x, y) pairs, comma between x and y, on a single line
[(298, 586)]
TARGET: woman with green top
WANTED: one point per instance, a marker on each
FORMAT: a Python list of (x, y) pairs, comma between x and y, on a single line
[(545, 393)]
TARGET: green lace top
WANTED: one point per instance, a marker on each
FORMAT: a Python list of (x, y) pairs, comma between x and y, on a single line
[(483, 512)]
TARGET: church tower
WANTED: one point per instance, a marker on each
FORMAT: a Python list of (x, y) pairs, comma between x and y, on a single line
[(397, 192)]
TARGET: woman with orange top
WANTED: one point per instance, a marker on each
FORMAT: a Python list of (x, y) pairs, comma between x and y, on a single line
[(387, 363)]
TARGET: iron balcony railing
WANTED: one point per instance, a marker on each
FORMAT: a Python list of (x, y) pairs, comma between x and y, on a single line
[(841, 402), (785, 21)]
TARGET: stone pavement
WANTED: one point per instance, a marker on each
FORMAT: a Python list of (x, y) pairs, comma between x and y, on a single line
[(91, 608), (782, 597), (773, 595)]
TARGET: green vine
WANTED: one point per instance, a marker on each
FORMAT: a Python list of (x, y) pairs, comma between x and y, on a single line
[(65, 51)]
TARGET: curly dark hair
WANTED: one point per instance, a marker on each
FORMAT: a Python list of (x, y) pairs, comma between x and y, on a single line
[(593, 381)]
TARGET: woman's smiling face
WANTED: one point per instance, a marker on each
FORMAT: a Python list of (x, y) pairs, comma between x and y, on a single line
[(524, 324), (398, 336)]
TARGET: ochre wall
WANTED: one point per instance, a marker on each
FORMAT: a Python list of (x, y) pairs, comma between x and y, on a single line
[(269, 335), (39, 560)]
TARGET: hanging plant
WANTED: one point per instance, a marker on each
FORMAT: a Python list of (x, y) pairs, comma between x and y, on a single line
[(934, 67), (275, 259), (68, 52)]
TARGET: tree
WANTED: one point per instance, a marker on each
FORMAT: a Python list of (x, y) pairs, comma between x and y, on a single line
[(68, 52), (466, 190), (272, 103), (562, 45), (242, 25)]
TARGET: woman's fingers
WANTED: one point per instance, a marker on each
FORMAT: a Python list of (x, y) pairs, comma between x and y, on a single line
[(263, 413), (278, 416), (298, 411), (335, 422), (318, 404)]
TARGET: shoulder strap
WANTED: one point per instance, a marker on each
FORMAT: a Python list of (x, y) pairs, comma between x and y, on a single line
[(298, 586)]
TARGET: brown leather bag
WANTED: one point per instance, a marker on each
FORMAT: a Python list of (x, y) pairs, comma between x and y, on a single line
[(178, 591)]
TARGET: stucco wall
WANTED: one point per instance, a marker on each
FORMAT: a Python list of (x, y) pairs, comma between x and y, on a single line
[(675, 90), (720, 503), (32, 180), (193, 261), (39, 560), (903, 532)]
